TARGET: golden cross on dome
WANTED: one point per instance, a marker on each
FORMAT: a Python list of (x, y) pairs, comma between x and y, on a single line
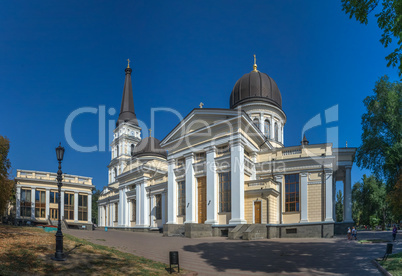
[(128, 63), (150, 132), (255, 63), (201, 104)]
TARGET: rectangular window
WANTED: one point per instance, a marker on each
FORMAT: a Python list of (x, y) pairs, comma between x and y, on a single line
[(222, 150), (225, 195), (116, 212), (40, 204), (200, 156), (180, 162), (292, 193), (158, 206), (83, 207), (25, 203), (181, 198), (134, 210), (69, 206), (54, 197)]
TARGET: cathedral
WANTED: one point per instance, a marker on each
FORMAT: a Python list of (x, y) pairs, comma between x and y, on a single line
[(224, 172)]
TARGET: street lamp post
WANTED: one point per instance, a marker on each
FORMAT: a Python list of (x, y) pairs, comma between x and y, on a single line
[(59, 255)]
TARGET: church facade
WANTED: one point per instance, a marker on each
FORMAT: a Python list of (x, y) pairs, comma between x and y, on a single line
[(224, 172)]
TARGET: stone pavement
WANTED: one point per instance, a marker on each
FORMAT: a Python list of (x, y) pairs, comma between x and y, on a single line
[(219, 256)]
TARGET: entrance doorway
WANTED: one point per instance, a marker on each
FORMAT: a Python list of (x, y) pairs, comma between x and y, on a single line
[(257, 212), (54, 213), (202, 199)]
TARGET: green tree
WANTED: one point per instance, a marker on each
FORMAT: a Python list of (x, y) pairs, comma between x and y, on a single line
[(339, 206), (381, 149), (388, 20), (6, 184), (368, 199), (95, 197)]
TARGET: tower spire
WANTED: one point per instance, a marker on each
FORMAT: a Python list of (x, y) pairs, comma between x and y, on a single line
[(255, 64), (127, 113)]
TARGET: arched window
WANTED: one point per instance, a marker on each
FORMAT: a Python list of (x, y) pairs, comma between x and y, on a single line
[(276, 132), (132, 149), (117, 150), (267, 126), (115, 174), (256, 122)]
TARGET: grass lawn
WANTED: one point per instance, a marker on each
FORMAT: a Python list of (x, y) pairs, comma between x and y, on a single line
[(28, 250), (374, 241), (393, 264)]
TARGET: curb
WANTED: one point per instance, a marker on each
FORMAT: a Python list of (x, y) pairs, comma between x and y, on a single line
[(380, 268)]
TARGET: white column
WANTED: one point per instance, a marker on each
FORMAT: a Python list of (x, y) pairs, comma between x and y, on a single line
[(283, 136), (190, 190), (61, 213), (33, 203), (90, 208), (272, 128), (212, 187), (100, 215), (47, 203), (143, 206), (262, 123), (120, 219), (328, 197), (126, 208), (279, 180), (172, 193), (138, 205), (348, 195), (75, 206), (237, 182), (18, 203), (303, 197), (163, 207)]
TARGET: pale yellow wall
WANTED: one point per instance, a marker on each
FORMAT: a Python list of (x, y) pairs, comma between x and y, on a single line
[(273, 209), (249, 208), (293, 217), (223, 218), (180, 219), (314, 202)]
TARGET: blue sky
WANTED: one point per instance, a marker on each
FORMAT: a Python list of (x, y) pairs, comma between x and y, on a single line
[(57, 57)]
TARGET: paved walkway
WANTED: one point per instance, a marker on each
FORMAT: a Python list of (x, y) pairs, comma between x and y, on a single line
[(218, 256)]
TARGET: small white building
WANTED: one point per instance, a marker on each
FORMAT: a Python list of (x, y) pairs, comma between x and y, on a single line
[(37, 198)]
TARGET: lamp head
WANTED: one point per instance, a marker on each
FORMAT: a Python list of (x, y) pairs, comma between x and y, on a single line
[(60, 153)]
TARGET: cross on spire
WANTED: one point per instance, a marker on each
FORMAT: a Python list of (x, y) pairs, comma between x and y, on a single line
[(150, 132), (201, 104), (128, 63), (255, 63)]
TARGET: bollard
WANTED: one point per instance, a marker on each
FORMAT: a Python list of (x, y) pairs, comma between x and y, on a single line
[(105, 229)]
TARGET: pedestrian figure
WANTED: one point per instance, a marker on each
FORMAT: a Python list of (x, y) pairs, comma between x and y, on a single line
[(354, 233), (394, 231), (349, 232)]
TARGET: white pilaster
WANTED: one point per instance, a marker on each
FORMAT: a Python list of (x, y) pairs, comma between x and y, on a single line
[(237, 182), (303, 197), (163, 207), (190, 190), (328, 197), (348, 195), (212, 187), (61, 213), (262, 123), (120, 219), (89, 207), (47, 204), (33, 203), (18, 203), (281, 198), (138, 205), (272, 133), (283, 136), (171, 193), (75, 206)]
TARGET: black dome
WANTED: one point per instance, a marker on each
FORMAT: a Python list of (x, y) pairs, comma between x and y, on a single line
[(255, 86), (149, 146)]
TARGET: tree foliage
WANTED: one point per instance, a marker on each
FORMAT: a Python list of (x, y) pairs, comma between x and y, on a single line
[(339, 206), (388, 20), (95, 196), (381, 149), (369, 202), (6, 185)]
